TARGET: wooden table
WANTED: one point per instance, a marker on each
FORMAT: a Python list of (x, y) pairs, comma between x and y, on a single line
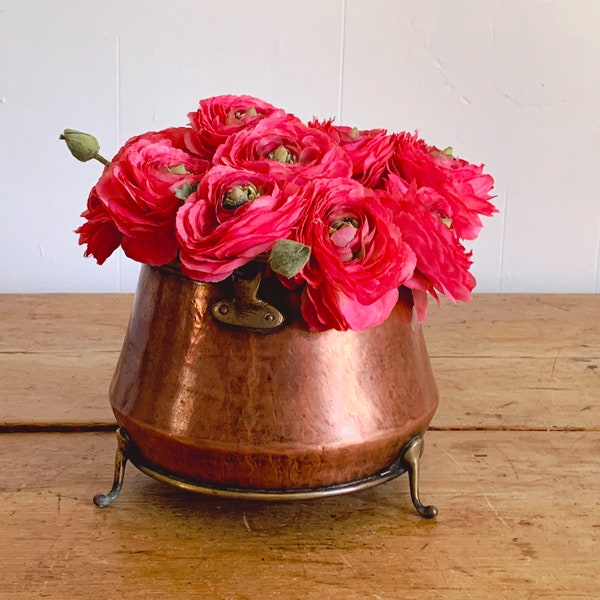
[(512, 461)]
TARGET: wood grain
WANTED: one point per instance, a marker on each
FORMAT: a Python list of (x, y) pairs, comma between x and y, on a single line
[(519, 518), (512, 461), (491, 325), (509, 361), (63, 323), (517, 325), (519, 393)]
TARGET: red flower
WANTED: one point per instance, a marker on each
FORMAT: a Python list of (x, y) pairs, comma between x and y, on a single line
[(442, 262), (287, 149), (463, 186), (219, 117), (358, 258), (383, 214), (138, 190), (368, 149), (234, 216), (99, 231)]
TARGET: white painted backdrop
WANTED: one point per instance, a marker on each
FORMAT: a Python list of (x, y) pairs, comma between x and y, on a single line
[(511, 83)]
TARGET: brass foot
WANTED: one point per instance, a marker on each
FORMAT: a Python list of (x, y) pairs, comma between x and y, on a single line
[(410, 459), (102, 500)]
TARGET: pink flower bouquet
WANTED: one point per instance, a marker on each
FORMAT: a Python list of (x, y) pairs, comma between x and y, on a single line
[(348, 218)]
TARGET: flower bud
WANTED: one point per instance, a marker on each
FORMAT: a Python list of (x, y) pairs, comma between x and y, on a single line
[(239, 195), (178, 170), (251, 112), (283, 155), (82, 146)]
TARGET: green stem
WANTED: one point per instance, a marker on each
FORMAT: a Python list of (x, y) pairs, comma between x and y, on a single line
[(101, 159)]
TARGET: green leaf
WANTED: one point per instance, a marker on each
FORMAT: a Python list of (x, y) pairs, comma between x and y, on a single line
[(288, 257)]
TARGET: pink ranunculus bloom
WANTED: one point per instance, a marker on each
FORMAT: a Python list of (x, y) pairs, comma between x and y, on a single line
[(234, 216), (442, 261), (287, 149), (138, 190), (99, 232), (221, 116), (463, 186), (368, 149), (358, 258)]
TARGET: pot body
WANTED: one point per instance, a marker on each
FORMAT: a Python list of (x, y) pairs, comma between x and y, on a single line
[(285, 410)]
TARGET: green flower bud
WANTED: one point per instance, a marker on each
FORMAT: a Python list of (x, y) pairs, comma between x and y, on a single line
[(178, 170), (283, 155), (186, 190), (251, 112), (83, 146), (239, 195)]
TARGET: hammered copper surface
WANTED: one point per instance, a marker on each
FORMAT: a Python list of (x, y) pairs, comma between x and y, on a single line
[(283, 410)]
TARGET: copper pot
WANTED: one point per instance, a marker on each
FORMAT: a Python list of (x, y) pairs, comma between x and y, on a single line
[(251, 408)]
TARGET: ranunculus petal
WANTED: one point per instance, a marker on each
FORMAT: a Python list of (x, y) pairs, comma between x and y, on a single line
[(358, 257), (368, 149), (305, 153), (219, 117), (99, 232), (138, 191), (442, 261), (159, 250), (360, 316), (214, 240), (464, 186)]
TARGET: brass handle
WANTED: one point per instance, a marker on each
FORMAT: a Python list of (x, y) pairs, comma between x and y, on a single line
[(245, 309)]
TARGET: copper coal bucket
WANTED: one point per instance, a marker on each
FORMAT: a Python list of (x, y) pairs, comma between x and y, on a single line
[(210, 401)]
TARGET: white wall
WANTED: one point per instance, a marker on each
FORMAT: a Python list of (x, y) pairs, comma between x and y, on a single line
[(512, 83)]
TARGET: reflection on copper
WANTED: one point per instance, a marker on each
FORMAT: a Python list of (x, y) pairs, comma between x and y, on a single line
[(288, 409), (182, 406)]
